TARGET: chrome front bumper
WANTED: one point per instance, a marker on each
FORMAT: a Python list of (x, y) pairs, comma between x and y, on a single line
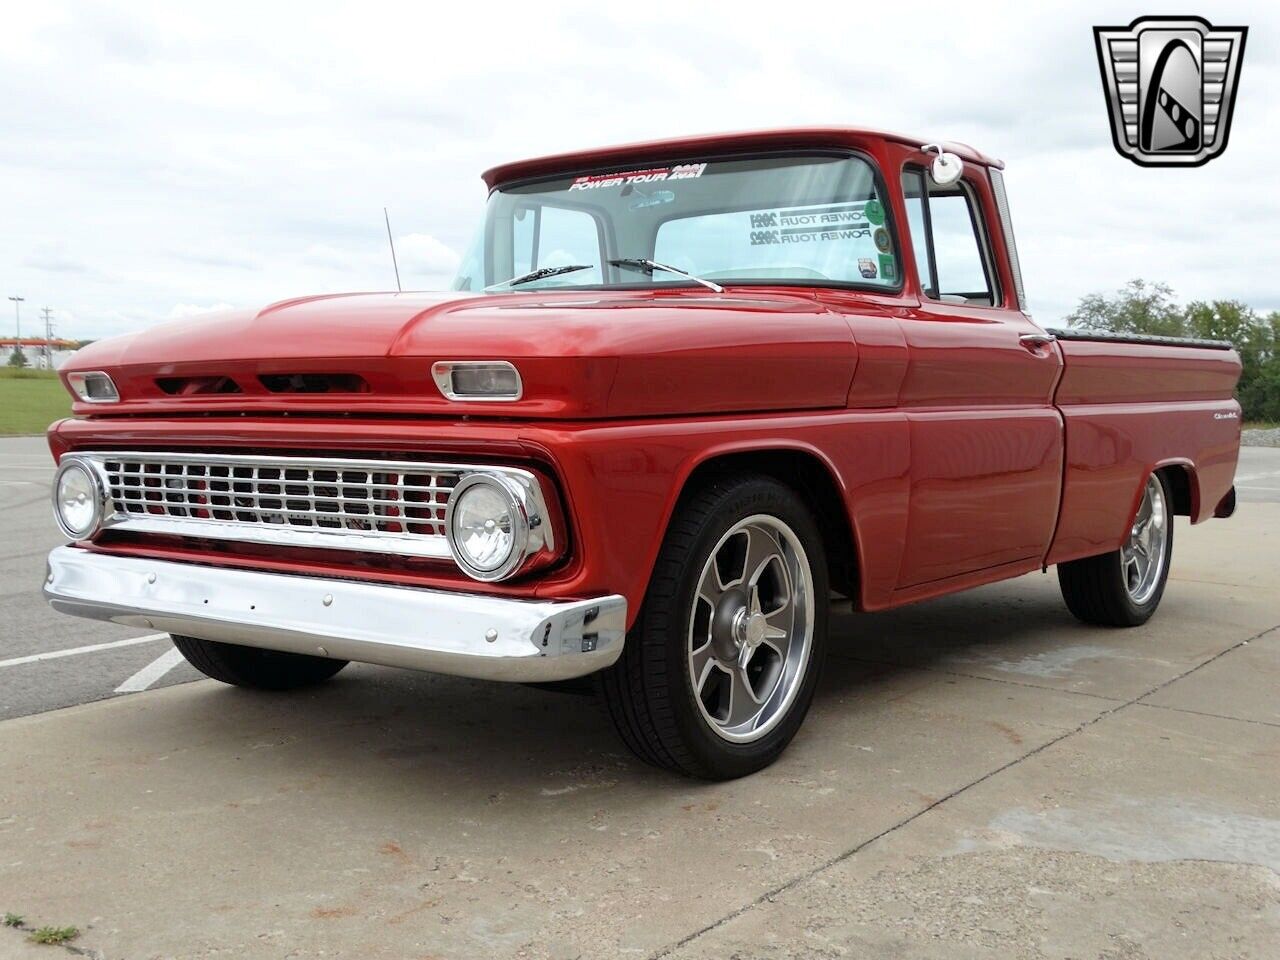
[(469, 635)]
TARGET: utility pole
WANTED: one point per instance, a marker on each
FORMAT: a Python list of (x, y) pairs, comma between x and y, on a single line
[(17, 322), (48, 336)]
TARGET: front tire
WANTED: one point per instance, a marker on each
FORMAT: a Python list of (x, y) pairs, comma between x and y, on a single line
[(1124, 587), (721, 665), (251, 667)]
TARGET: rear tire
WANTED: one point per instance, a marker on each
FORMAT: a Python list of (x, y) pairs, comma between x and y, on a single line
[(251, 667), (720, 667), (1124, 587)]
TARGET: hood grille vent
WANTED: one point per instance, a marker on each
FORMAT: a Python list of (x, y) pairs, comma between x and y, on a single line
[(197, 386), (314, 383)]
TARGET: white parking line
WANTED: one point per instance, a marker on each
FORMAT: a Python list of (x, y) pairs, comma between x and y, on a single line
[(152, 672), (73, 651)]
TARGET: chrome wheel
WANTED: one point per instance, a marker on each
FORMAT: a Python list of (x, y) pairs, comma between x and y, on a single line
[(1142, 558), (751, 628)]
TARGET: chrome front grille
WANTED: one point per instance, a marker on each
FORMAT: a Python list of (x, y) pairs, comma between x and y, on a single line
[(390, 507)]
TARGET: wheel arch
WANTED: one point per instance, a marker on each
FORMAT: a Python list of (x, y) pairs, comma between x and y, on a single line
[(1184, 486), (808, 472)]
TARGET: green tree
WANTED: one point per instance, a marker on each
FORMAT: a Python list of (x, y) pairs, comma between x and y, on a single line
[(17, 358), (1137, 307), (1232, 320), (1260, 397)]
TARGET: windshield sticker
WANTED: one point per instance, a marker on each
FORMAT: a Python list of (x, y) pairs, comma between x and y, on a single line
[(888, 269), (809, 224), (681, 171), (807, 235), (867, 267), (874, 212), (850, 213), (881, 237)]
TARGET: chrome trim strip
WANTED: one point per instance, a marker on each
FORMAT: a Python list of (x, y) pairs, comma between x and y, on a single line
[(1107, 336), (469, 635), (1006, 227), (264, 529)]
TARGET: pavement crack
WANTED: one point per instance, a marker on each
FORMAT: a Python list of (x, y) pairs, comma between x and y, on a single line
[(1204, 663), (1205, 713), (770, 895)]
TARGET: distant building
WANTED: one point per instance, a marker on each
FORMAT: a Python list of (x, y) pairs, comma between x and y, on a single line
[(41, 354)]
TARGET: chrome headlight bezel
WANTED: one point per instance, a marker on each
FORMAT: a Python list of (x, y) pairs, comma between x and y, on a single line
[(78, 382), (517, 503), (97, 495)]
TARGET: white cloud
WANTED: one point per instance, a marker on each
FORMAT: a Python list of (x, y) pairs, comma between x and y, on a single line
[(181, 310), (422, 254), (54, 257), (164, 154)]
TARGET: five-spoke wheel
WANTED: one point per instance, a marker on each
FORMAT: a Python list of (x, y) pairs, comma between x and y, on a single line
[(720, 666), (750, 628)]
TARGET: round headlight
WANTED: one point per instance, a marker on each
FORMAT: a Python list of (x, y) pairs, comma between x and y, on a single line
[(487, 527), (77, 500)]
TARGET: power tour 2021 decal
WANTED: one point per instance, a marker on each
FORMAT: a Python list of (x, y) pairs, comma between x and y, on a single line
[(1170, 84)]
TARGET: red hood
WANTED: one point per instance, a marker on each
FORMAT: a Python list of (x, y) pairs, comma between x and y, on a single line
[(581, 354)]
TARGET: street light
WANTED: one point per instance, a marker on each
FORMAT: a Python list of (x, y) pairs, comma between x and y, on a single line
[(17, 322), (17, 317)]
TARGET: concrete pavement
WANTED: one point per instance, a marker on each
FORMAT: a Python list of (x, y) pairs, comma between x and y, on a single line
[(980, 777)]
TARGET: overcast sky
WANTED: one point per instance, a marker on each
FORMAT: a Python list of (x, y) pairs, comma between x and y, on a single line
[(159, 160)]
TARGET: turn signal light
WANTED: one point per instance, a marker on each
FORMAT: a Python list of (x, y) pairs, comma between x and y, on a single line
[(95, 387)]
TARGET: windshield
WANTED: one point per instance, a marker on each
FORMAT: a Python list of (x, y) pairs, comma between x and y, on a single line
[(792, 219)]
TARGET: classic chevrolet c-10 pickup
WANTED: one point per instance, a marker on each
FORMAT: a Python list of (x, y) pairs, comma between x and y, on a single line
[(680, 395)]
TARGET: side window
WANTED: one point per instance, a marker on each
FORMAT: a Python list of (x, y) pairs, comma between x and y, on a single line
[(949, 240), (546, 236)]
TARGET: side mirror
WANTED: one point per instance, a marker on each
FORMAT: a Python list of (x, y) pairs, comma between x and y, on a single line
[(946, 167)]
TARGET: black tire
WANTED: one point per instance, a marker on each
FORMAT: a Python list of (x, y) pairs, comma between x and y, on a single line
[(1095, 590), (251, 667), (649, 693)]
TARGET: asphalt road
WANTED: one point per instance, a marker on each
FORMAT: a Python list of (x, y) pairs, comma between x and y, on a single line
[(29, 629), (122, 660)]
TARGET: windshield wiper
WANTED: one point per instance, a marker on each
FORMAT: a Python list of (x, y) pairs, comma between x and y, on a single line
[(652, 265), (542, 272)]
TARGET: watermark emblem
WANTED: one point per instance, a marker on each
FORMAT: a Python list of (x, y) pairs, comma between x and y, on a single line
[(1170, 84)]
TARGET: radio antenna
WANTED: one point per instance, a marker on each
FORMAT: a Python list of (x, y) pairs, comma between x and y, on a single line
[(391, 241)]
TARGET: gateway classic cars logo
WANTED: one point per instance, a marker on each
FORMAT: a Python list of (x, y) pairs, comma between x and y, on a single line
[(1170, 84)]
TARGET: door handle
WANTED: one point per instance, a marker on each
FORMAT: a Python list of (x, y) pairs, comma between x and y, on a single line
[(1036, 342)]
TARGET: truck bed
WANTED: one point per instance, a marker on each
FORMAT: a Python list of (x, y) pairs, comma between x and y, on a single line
[(1132, 404)]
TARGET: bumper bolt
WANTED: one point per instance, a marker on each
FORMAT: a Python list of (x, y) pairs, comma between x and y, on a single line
[(491, 635), (328, 600), (151, 578)]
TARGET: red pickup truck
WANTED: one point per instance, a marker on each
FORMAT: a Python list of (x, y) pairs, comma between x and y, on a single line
[(680, 395)]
